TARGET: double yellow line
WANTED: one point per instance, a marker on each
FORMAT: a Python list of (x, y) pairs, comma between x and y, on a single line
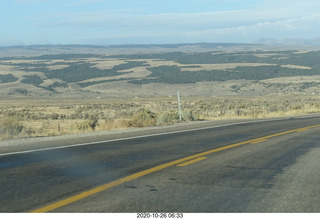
[(182, 162)]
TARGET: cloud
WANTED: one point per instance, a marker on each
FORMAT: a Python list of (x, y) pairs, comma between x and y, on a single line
[(268, 19), (181, 21), (270, 12), (164, 20), (282, 28), (285, 28)]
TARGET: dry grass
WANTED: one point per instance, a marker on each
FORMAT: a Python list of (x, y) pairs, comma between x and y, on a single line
[(108, 64), (296, 67), (265, 55), (205, 67), (55, 67), (223, 66), (44, 118)]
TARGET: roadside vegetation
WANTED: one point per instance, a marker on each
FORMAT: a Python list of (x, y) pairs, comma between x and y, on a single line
[(10, 127), (25, 119)]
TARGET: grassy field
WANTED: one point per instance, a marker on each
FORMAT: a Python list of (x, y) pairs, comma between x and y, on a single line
[(45, 117)]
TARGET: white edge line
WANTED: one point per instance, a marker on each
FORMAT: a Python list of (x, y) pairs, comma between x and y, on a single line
[(144, 136)]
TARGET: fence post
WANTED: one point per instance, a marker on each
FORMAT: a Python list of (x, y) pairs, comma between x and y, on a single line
[(178, 94)]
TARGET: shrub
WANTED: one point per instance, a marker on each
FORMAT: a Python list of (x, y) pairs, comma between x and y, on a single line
[(143, 118), (88, 125), (10, 127), (168, 118), (189, 116), (109, 124)]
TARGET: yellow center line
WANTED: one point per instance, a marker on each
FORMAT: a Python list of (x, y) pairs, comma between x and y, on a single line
[(191, 161), (302, 129), (258, 141), (152, 170)]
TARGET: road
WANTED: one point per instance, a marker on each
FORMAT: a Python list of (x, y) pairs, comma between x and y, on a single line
[(264, 166)]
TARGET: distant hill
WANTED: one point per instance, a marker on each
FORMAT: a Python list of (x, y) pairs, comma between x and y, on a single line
[(36, 50), (295, 43), (129, 74), (262, 44)]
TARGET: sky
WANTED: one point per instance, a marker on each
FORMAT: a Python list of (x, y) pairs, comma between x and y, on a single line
[(110, 22)]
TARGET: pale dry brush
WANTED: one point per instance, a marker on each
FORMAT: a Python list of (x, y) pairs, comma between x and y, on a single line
[(55, 120)]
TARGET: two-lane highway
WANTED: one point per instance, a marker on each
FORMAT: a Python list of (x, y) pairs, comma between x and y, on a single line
[(245, 167)]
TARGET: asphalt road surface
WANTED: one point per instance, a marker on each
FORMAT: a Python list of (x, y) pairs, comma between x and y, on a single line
[(265, 166)]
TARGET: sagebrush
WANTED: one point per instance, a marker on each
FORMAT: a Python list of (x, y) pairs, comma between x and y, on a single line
[(27, 120)]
